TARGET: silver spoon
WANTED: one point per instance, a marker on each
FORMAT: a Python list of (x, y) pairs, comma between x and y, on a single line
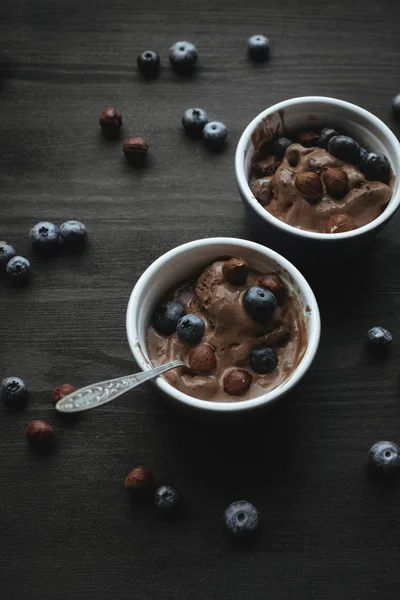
[(100, 393)]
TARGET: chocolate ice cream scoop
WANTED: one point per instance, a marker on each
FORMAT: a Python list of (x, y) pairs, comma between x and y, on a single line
[(231, 334), (311, 186)]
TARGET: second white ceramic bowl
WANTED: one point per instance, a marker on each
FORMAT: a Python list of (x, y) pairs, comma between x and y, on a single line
[(314, 112), (181, 262)]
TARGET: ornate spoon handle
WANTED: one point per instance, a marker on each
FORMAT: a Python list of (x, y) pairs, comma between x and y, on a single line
[(100, 393)]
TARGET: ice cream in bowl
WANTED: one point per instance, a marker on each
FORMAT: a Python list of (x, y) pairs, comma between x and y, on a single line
[(243, 319)]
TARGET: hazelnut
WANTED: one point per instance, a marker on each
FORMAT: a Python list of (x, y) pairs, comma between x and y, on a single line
[(336, 181), (264, 168), (309, 184), (274, 284), (39, 434), (135, 149), (338, 224), (110, 121), (262, 189), (61, 391), (202, 358), (308, 139), (235, 271), (139, 479), (237, 382)]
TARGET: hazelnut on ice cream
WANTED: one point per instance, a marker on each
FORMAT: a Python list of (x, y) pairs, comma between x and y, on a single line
[(240, 332)]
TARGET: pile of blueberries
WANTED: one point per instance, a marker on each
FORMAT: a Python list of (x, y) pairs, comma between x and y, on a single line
[(374, 165), (259, 303), (46, 238)]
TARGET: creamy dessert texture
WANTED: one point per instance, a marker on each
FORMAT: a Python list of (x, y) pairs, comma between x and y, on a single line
[(240, 332), (324, 182)]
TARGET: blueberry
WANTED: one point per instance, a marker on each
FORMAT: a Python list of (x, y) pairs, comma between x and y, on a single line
[(280, 145), (44, 236), (258, 47), (194, 120), (190, 329), (13, 391), (396, 106), (183, 56), (363, 153), (376, 167), (325, 135), (259, 303), (241, 518), (6, 253), (263, 359), (215, 134), (384, 459), (345, 148), (167, 498), (18, 269), (167, 315), (379, 339), (73, 233), (148, 63)]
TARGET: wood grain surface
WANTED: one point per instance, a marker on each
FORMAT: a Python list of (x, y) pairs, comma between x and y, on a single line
[(67, 528)]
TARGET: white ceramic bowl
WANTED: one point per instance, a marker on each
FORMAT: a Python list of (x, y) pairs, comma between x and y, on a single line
[(314, 111), (181, 262)]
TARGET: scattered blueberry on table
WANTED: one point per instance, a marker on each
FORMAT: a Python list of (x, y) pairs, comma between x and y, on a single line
[(73, 233), (167, 315), (241, 519), (215, 134), (258, 47), (384, 459), (396, 106), (183, 56), (379, 339), (167, 498), (148, 63), (6, 253), (194, 121), (263, 359), (190, 329), (13, 391), (18, 269), (44, 237)]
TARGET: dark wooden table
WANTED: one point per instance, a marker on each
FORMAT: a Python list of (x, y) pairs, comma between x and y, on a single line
[(67, 528)]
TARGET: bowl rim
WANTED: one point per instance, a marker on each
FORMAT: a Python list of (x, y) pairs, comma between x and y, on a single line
[(314, 326), (245, 190)]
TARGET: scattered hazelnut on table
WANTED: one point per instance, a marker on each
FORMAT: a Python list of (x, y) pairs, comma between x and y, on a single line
[(338, 224), (110, 121), (308, 139), (235, 271), (139, 479), (135, 149), (336, 181), (39, 434), (309, 184), (237, 382), (202, 358), (274, 284), (61, 391)]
